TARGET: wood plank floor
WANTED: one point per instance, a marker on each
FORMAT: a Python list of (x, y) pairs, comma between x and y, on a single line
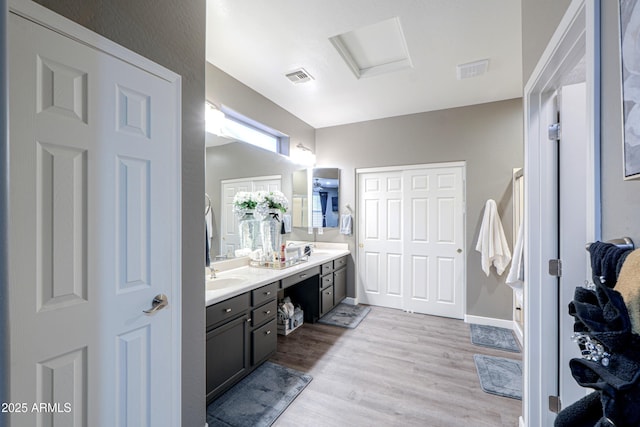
[(394, 369)]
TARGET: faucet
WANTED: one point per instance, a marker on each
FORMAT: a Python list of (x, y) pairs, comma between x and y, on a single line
[(211, 272)]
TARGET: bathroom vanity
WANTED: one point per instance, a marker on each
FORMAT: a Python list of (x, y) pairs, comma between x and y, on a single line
[(241, 311)]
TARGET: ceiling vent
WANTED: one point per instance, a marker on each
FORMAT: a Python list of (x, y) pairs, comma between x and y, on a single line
[(472, 69), (299, 76)]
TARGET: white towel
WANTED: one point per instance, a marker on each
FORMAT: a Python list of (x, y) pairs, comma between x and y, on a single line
[(492, 243), (286, 219), (345, 224), (209, 221), (515, 278)]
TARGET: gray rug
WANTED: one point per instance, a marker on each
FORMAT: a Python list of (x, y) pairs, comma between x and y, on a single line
[(500, 376), (494, 337), (259, 399), (345, 315)]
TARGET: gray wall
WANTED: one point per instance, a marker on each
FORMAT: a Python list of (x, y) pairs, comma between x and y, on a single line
[(539, 20), (487, 136), (171, 33), (619, 198)]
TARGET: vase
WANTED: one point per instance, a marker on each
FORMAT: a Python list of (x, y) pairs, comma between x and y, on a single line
[(250, 231), (271, 238)]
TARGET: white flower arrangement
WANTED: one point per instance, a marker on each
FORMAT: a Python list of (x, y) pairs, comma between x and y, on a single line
[(276, 200), (263, 202), (244, 201)]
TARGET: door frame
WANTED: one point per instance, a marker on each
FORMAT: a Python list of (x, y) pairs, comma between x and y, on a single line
[(51, 20), (576, 36), (4, 208), (460, 164)]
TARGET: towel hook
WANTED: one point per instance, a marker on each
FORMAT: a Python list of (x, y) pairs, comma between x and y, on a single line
[(208, 204)]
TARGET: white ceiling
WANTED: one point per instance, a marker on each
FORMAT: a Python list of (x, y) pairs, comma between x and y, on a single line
[(258, 42)]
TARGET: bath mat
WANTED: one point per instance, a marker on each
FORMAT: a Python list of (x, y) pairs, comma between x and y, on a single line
[(259, 398), (345, 315), (499, 375), (491, 336)]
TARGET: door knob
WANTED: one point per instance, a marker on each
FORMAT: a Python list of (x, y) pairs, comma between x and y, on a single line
[(159, 302), (459, 251)]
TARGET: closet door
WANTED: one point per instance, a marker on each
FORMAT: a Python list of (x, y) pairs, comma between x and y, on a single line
[(380, 250), (410, 238), (434, 266), (229, 239)]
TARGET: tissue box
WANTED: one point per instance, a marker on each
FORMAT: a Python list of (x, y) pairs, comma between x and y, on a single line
[(286, 326)]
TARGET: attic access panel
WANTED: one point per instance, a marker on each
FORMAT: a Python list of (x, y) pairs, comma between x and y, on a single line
[(374, 49)]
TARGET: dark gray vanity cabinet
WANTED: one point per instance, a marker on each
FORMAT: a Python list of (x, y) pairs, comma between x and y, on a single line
[(264, 329), (340, 284), (326, 288), (227, 344), (241, 334), (318, 289), (333, 284)]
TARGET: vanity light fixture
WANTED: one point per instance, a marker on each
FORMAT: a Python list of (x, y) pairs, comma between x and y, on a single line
[(303, 155), (214, 119)]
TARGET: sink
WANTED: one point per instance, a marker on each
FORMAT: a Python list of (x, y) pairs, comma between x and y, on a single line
[(224, 282)]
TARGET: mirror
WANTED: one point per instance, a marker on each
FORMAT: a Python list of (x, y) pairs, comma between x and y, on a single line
[(315, 201), (237, 161)]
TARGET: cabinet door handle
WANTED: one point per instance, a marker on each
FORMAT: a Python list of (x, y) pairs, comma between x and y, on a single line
[(268, 293), (268, 332), (227, 310), (267, 312), (248, 320), (303, 275), (328, 293)]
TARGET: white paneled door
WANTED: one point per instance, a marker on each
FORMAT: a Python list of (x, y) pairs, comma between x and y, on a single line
[(94, 231), (411, 238)]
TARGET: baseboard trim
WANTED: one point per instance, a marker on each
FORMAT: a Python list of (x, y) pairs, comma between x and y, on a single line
[(521, 422), (517, 330), (489, 321), (350, 301)]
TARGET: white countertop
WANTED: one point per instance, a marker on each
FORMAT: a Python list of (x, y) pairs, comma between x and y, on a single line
[(236, 281)]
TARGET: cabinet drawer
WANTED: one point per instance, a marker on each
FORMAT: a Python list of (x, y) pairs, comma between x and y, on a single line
[(228, 309), (340, 263), (266, 312), (263, 294), (326, 281), (326, 268), (265, 340), (299, 277)]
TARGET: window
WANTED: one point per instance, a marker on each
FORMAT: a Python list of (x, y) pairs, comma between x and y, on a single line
[(231, 124)]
